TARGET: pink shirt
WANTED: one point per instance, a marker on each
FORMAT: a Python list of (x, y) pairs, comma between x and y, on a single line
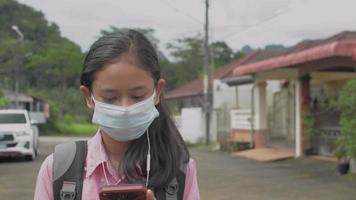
[(94, 176)]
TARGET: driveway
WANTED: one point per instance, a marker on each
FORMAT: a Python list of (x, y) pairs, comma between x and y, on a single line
[(221, 176)]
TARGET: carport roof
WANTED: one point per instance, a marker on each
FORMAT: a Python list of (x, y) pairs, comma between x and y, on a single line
[(195, 87), (342, 44)]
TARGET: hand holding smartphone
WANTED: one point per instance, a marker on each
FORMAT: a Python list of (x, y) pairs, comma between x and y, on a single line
[(123, 192)]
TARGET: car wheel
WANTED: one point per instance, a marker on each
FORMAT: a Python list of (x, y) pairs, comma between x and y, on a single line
[(36, 152), (32, 156), (29, 157)]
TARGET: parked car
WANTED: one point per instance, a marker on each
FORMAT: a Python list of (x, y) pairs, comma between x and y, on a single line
[(18, 135)]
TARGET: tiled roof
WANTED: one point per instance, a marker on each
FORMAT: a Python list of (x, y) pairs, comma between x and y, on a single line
[(196, 87), (307, 44), (341, 44), (190, 89)]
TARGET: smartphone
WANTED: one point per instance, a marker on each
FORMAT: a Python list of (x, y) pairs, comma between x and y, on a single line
[(123, 192)]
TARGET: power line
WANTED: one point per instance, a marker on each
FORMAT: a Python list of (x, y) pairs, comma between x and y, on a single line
[(247, 27), (170, 5)]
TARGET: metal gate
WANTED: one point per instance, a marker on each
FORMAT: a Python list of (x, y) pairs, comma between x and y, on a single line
[(281, 119), (223, 126)]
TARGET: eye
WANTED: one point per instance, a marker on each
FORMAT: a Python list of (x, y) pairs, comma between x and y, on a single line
[(109, 99), (138, 98)]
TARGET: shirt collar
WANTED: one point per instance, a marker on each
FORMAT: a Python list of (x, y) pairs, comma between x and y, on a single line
[(96, 154)]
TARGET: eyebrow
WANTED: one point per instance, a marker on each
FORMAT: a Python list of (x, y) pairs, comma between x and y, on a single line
[(108, 90), (136, 88), (141, 87)]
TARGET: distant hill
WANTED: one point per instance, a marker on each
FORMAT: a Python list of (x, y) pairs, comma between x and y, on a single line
[(275, 47)]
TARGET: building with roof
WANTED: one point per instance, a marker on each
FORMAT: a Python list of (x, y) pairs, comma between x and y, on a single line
[(189, 98), (265, 98), (312, 72), (38, 109)]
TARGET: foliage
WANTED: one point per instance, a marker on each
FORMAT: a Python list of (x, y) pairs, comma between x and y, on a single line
[(71, 125), (77, 129), (59, 65), (308, 127), (148, 32), (347, 105), (340, 151), (3, 101), (188, 57), (222, 54), (47, 64)]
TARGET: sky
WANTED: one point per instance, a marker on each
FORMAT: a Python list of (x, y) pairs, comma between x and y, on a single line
[(237, 22)]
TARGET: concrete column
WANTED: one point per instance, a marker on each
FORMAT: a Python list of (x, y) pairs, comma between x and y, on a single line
[(298, 144), (302, 106), (260, 103)]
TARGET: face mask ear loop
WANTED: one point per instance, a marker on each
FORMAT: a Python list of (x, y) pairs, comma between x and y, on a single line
[(148, 164)]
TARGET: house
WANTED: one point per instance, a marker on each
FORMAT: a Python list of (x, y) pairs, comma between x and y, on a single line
[(311, 74), (37, 108), (189, 98)]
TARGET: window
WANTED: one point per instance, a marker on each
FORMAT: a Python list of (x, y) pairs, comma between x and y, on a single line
[(11, 118)]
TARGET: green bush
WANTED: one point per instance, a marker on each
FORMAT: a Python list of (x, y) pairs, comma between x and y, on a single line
[(70, 126), (4, 102), (347, 104), (76, 129), (309, 128)]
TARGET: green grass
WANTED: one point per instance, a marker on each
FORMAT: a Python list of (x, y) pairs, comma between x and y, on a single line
[(76, 129)]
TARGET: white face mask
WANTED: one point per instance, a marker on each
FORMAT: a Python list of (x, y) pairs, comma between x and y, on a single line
[(123, 123)]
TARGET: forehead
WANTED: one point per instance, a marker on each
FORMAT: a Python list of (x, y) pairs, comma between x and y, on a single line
[(123, 75)]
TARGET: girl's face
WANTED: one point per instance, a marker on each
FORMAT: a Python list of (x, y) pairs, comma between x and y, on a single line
[(122, 83)]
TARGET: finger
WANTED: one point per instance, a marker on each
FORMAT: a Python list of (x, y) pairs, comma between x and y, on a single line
[(149, 195)]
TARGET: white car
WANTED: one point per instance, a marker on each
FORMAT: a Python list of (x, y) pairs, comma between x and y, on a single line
[(18, 136)]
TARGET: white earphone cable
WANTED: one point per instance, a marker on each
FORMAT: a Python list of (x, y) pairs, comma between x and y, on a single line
[(148, 164)]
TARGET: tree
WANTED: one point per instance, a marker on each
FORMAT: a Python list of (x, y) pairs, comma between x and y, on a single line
[(188, 57), (247, 49), (57, 68), (3, 101), (347, 104), (221, 53), (49, 63), (187, 61)]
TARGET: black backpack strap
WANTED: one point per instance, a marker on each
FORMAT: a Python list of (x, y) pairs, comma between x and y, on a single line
[(68, 164), (181, 184), (175, 189)]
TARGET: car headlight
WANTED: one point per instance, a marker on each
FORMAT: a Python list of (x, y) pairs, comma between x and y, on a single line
[(22, 133)]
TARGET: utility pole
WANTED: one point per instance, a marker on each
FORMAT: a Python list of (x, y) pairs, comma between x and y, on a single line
[(207, 75), (18, 63)]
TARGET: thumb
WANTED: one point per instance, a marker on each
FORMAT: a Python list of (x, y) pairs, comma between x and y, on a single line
[(149, 195)]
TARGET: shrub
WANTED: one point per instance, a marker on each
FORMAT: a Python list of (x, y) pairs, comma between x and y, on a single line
[(347, 104)]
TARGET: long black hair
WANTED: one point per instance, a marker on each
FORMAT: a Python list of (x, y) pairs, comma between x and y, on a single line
[(168, 150)]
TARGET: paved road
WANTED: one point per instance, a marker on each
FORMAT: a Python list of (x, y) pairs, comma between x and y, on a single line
[(226, 177), (18, 177), (221, 177)]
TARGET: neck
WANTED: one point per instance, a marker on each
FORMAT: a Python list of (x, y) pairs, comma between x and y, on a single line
[(114, 149)]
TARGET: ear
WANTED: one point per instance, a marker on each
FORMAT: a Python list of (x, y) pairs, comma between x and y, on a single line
[(87, 96), (159, 90)]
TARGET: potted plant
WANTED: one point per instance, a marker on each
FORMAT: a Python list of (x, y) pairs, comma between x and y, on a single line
[(347, 105), (343, 162), (309, 131)]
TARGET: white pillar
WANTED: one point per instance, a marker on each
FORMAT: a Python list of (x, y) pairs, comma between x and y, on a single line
[(260, 124), (297, 119), (260, 106)]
